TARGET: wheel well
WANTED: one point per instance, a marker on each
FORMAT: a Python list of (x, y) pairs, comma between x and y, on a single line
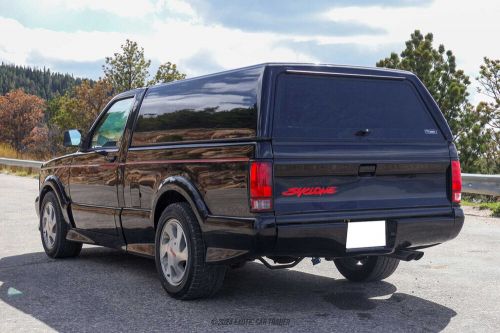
[(166, 199), (43, 192)]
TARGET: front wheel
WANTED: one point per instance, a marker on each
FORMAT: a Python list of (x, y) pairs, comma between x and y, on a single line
[(366, 269), (180, 256), (53, 230)]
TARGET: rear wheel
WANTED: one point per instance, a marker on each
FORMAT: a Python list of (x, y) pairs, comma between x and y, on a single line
[(53, 230), (180, 256), (365, 269), (238, 265)]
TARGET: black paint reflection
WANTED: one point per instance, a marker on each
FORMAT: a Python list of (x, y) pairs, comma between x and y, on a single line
[(215, 107), (223, 185)]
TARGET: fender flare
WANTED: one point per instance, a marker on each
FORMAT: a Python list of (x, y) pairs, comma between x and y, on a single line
[(188, 191), (54, 184)]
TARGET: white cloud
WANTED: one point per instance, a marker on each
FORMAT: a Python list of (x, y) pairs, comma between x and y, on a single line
[(123, 8), (231, 48), (178, 7), (468, 28), (18, 42), (172, 40)]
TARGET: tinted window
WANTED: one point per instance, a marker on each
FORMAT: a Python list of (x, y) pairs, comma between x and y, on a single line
[(216, 107), (110, 129), (328, 107)]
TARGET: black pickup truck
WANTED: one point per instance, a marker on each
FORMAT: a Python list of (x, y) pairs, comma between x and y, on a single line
[(274, 162)]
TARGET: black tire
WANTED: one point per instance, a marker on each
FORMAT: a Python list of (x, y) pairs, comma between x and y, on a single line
[(200, 280), (61, 247), (238, 265), (366, 269)]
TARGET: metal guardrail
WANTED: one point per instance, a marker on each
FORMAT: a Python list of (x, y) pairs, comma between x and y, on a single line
[(481, 184), (20, 163), (471, 183)]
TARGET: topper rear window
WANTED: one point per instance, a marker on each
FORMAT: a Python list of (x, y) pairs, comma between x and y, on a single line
[(318, 107)]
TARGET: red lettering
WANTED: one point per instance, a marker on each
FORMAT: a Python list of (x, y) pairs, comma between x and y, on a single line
[(309, 191)]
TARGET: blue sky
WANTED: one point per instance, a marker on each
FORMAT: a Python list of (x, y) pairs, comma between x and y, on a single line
[(206, 36)]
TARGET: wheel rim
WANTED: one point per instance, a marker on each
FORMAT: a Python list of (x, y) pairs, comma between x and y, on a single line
[(173, 252), (49, 225)]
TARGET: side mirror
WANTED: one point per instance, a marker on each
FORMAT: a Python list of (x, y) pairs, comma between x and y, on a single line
[(72, 138)]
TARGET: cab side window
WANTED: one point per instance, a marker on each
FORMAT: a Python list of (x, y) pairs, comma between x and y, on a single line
[(111, 126)]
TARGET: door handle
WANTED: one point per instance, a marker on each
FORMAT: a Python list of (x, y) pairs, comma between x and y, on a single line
[(110, 158), (107, 156)]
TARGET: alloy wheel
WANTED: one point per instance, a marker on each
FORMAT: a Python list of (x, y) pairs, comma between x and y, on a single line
[(173, 252), (49, 225)]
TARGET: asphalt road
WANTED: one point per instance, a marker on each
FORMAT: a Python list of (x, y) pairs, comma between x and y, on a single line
[(454, 287)]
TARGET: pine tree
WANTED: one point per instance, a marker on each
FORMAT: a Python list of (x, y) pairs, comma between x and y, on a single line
[(127, 70), (437, 69), (40, 82)]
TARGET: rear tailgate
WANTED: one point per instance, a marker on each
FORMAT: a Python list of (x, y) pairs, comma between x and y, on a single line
[(361, 177), (344, 143)]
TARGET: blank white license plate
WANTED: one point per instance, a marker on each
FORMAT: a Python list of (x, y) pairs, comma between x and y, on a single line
[(365, 234)]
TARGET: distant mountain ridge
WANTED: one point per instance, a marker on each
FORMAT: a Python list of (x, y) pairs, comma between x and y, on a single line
[(35, 81)]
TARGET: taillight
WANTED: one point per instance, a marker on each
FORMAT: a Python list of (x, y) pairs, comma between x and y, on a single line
[(261, 186), (456, 182)]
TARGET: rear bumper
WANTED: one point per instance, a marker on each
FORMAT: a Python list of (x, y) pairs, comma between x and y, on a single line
[(325, 234), (329, 239)]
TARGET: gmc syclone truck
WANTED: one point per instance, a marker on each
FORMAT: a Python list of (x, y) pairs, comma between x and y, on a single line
[(274, 162)]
